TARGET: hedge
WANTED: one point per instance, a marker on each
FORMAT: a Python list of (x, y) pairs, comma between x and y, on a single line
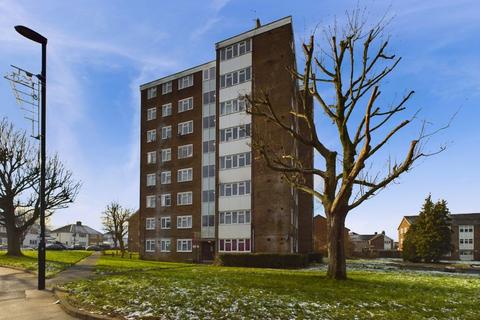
[(263, 260)]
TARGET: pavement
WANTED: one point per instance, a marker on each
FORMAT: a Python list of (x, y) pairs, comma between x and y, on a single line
[(20, 299)]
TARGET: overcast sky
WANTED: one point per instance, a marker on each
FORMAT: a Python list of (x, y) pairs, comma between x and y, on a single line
[(99, 52)]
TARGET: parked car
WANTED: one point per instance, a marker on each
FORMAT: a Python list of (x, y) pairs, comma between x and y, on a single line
[(94, 248), (77, 247), (54, 246), (105, 246)]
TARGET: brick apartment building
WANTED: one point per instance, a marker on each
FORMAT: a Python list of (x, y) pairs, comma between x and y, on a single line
[(202, 188), (465, 235)]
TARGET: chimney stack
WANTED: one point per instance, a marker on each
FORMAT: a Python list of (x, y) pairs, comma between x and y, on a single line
[(257, 23), (79, 223)]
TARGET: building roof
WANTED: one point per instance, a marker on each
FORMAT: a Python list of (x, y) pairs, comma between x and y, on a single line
[(77, 228), (363, 237), (457, 218)]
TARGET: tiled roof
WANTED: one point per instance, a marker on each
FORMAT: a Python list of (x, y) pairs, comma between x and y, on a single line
[(74, 228), (458, 218)]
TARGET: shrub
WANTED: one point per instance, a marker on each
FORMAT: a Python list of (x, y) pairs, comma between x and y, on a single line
[(263, 260), (315, 257)]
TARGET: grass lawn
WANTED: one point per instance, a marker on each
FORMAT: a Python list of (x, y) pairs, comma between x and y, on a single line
[(56, 260), (154, 290)]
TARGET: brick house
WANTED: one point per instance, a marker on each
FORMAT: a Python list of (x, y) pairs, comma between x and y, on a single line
[(465, 235), (320, 235), (364, 243)]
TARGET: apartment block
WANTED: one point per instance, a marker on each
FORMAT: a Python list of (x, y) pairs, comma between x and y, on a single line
[(203, 190)]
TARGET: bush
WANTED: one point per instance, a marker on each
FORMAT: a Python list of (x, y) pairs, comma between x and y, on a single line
[(315, 257), (263, 260)]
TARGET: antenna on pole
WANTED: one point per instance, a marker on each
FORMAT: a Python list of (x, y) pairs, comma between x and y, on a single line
[(26, 88)]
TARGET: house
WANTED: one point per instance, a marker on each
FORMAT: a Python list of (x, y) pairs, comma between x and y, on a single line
[(465, 235), (31, 237), (364, 243), (134, 232), (108, 239), (320, 235), (202, 190), (77, 234), (3, 236)]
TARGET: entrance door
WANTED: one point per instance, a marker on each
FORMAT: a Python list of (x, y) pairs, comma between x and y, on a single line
[(208, 250)]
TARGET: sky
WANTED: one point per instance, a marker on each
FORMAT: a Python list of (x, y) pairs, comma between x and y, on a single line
[(100, 52)]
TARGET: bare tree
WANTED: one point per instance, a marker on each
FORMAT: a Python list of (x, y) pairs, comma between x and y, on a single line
[(343, 81), (19, 185), (115, 221)]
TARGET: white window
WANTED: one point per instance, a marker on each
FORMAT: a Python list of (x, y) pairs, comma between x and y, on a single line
[(185, 104), (165, 245), (151, 201), (235, 161), (185, 175), (165, 222), (167, 87), (151, 157), (167, 110), (166, 177), (151, 92), (235, 217), (232, 106), (184, 198), (151, 179), (166, 155), (235, 133), (235, 50), (151, 135), (185, 151), (150, 223), (166, 132), (184, 222), (235, 188), (166, 200), (185, 127), (235, 77), (209, 74), (185, 82), (149, 245), (227, 245), (151, 113), (184, 245)]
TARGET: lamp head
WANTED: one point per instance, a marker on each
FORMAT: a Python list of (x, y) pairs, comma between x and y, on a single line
[(30, 34)]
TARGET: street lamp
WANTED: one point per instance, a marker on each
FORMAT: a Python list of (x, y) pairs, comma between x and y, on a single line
[(36, 37)]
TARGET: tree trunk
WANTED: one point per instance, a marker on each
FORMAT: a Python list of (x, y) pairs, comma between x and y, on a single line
[(337, 268), (14, 239), (122, 246)]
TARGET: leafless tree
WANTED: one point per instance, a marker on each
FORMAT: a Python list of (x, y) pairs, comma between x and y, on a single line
[(19, 185), (115, 221), (343, 81)]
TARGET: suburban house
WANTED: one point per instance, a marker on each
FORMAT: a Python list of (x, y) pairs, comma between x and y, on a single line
[(77, 234), (465, 235), (134, 232), (31, 238), (3, 236), (365, 243), (203, 190), (320, 235), (108, 239)]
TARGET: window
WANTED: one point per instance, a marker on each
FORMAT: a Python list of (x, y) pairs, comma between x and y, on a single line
[(208, 195), (167, 87), (184, 222), (235, 133), (185, 175), (228, 245), (209, 171), (185, 82), (235, 217), (165, 245), (235, 161), (209, 146), (167, 110), (184, 245), (235, 188), (236, 77), (185, 151), (166, 177), (184, 198), (151, 135), (166, 132), (151, 92), (185, 127), (209, 122), (166, 155), (166, 200), (235, 50), (185, 104), (165, 222), (233, 106), (151, 157), (150, 223), (208, 221), (209, 74), (151, 114), (151, 179), (209, 97), (151, 201), (149, 245)]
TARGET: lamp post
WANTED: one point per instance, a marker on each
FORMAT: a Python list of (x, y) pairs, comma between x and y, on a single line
[(36, 37)]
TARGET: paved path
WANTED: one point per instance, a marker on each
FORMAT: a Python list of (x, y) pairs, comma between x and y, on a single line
[(20, 300)]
